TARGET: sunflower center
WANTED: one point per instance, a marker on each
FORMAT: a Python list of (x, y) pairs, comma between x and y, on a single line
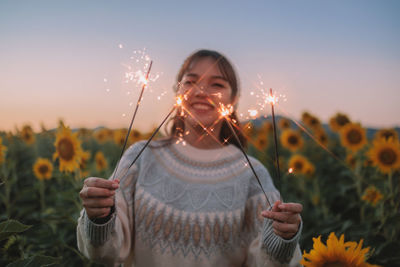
[(66, 149), (334, 264), (293, 140), (136, 134), (27, 135), (298, 165), (314, 121), (387, 156), (387, 135), (354, 136), (342, 120), (43, 169)]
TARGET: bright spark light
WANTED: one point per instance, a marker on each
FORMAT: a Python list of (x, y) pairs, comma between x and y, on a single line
[(264, 99), (290, 170), (225, 110), (137, 68), (271, 99), (179, 100), (253, 112)]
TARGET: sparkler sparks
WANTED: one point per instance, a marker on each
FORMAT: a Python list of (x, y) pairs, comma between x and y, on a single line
[(133, 118)]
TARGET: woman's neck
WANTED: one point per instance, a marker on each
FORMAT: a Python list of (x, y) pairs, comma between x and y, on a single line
[(203, 139)]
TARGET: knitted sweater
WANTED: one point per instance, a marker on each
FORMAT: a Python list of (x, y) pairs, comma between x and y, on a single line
[(184, 206)]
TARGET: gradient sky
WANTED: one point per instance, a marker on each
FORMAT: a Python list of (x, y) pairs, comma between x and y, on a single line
[(326, 56)]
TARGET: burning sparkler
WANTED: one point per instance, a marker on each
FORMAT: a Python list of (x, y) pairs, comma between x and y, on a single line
[(273, 100), (145, 79)]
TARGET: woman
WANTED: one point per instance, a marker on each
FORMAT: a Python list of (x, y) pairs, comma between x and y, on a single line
[(191, 200)]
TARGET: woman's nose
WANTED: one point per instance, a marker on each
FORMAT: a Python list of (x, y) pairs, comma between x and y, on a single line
[(200, 90)]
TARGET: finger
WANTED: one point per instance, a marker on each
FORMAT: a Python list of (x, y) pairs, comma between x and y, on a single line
[(276, 204), (286, 236), (291, 207), (88, 192), (285, 227), (100, 182), (278, 216), (98, 202), (97, 212)]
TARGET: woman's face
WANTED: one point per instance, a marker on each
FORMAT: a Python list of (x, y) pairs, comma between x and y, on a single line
[(205, 89)]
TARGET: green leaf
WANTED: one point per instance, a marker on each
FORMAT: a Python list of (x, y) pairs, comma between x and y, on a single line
[(11, 227), (37, 260)]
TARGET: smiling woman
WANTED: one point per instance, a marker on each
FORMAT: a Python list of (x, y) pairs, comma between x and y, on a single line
[(190, 200)]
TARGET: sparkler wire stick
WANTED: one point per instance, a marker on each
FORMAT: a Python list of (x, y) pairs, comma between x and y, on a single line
[(133, 117), (276, 142), (148, 142), (248, 160)]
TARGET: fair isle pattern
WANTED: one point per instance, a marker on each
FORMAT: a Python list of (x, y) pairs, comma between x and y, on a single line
[(168, 230)]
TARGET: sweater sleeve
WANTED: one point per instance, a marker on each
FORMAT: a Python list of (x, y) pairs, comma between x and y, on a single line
[(111, 242), (267, 248)]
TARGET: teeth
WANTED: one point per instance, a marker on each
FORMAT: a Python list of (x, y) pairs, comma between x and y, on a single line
[(201, 106)]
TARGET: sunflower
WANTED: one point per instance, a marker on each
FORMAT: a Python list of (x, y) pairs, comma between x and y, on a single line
[(338, 121), (311, 121), (84, 132), (298, 164), (315, 123), (27, 134), (353, 136), (336, 252), (305, 116), (385, 154), (321, 136), (85, 157), (291, 140), (309, 169), (119, 136), (135, 136), (103, 135), (101, 162), (266, 128), (387, 134), (43, 169), (3, 150), (261, 142), (372, 195), (284, 123), (248, 130), (68, 149)]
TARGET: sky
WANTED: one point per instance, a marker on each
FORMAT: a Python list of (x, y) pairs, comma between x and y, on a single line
[(324, 56)]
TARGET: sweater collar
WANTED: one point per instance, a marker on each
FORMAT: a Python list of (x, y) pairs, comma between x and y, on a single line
[(205, 155)]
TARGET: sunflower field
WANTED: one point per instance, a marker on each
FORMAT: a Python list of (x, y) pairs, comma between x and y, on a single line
[(347, 178)]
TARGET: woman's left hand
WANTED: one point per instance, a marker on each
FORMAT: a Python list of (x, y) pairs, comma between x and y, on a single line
[(286, 218)]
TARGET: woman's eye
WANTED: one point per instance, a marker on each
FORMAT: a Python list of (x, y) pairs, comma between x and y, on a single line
[(189, 82), (218, 85)]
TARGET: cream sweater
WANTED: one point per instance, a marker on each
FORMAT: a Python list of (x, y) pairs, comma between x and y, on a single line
[(184, 206)]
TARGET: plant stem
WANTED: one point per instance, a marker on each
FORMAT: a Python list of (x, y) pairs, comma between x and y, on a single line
[(41, 193)]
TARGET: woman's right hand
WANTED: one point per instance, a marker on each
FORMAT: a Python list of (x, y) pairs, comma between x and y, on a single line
[(97, 196)]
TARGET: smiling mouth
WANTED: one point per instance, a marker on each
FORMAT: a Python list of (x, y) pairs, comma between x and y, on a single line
[(202, 106)]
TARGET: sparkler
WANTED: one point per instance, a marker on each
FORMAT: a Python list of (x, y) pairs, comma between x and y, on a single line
[(144, 84), (225, 112), (273, 100)]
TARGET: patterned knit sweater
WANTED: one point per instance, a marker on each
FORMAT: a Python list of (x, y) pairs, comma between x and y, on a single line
[(184, 206)]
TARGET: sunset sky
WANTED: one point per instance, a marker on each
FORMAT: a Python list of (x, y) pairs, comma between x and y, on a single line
[(325, 56)]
